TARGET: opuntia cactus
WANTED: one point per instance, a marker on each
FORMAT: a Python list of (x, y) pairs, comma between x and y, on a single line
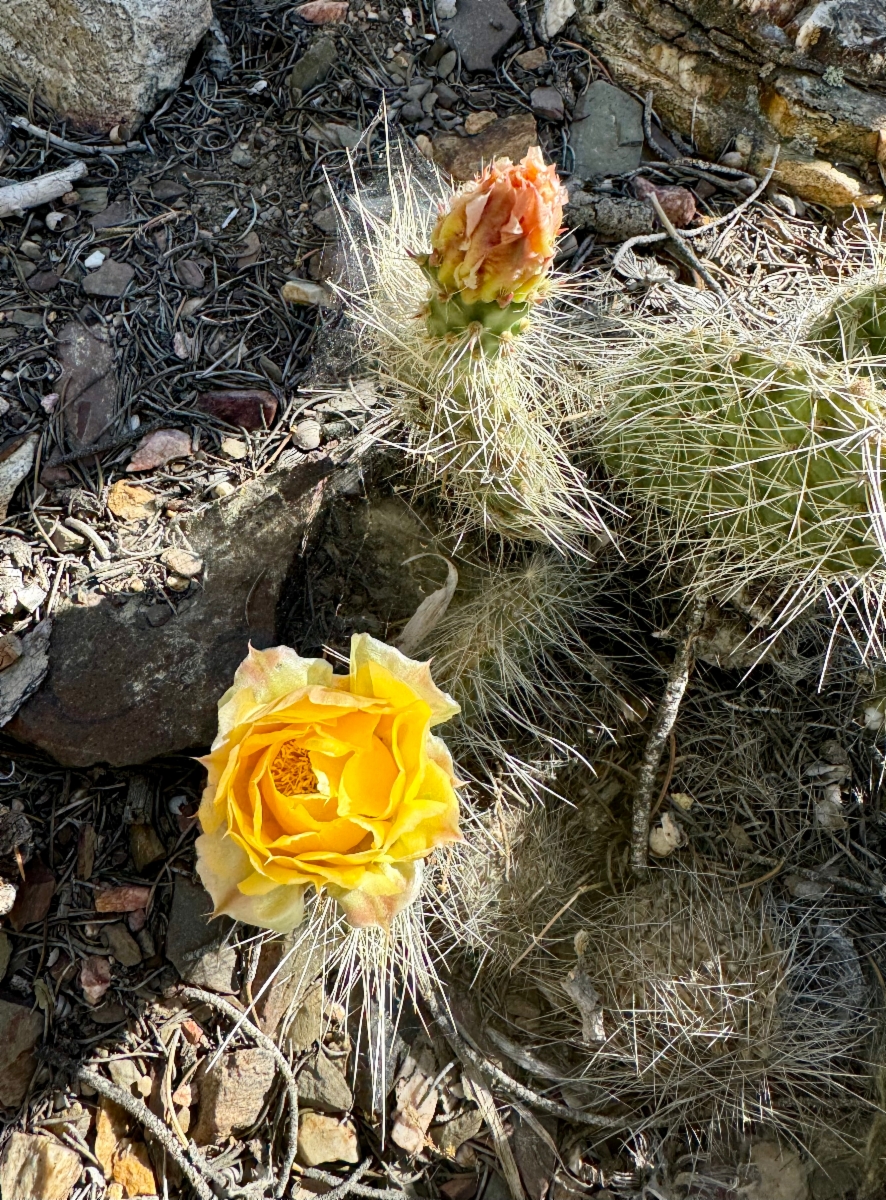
[(768, 462), (855, 325)]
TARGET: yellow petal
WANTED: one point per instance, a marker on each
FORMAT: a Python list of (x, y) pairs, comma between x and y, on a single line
[(264, 676), (373, 903), (396, 669)]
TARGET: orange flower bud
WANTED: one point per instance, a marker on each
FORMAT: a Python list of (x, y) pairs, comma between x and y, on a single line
[(496, 239)]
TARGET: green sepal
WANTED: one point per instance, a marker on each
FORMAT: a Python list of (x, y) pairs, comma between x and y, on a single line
[(448, 315)]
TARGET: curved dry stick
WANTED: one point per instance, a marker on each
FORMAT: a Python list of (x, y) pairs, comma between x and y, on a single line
[(140, 1111), (666, 715), (508, 1085), (281, 1060)]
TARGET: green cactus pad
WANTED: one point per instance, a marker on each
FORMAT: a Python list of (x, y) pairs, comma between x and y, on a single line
[(448, 315), (855, 325), (763, 455)]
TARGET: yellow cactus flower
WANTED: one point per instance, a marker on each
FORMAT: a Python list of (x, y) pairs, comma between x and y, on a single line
[(327, 781), (496, 240)]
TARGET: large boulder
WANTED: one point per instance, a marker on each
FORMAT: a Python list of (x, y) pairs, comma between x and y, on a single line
[(126, 684), (99, 63), (305, 556), (807, 80)]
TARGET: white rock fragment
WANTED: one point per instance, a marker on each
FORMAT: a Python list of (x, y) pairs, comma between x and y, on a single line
[(11, 583), (667, 837), (303, 291), (95, 260), (8, 893), (308, 434), (830, 811), (16, 460), (556, 14), (31, 597)]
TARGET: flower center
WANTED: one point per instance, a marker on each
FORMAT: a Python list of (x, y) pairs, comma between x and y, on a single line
[(291, 771)]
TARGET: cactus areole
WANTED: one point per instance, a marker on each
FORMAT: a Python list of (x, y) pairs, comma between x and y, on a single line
[(768, 459)]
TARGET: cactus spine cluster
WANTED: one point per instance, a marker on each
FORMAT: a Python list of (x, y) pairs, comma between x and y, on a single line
[(768, 462), (855, 325)]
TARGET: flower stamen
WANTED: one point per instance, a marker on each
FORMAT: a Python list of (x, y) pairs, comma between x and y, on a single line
[(292, 773)]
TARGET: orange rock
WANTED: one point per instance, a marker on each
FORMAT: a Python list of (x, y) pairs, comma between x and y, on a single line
[(132, 1169), (111, 1125), (131, 502)]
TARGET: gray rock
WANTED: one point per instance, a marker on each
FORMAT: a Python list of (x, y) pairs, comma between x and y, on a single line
[(105, 62), (411, 112), (123, 689), (615, 218), (121, 944), (241, 157), (314, 65), (547, 102), (607, 132), (232, 1094), (418, 89), (322, 1086), (479, 29), (284, 981), (195, 945), (115, 214), (111, 279), (447, 64), (88, 382), (326, 219), (20, 1027), (125, 1074)]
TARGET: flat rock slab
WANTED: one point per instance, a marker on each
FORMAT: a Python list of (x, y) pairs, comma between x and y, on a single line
[(607, 132), (195, 944), (19, 1030), (508, 137), (479, 29), (100, 63), (233, 1093), (126, 684), (88, 382), (110, 280)]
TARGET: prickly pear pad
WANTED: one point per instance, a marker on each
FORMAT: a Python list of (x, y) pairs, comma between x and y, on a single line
[(772, 458)]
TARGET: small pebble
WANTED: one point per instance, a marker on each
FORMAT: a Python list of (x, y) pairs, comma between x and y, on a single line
[(308, 434), (446, 65), (222, 489), (234, 448), (94, 260)]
